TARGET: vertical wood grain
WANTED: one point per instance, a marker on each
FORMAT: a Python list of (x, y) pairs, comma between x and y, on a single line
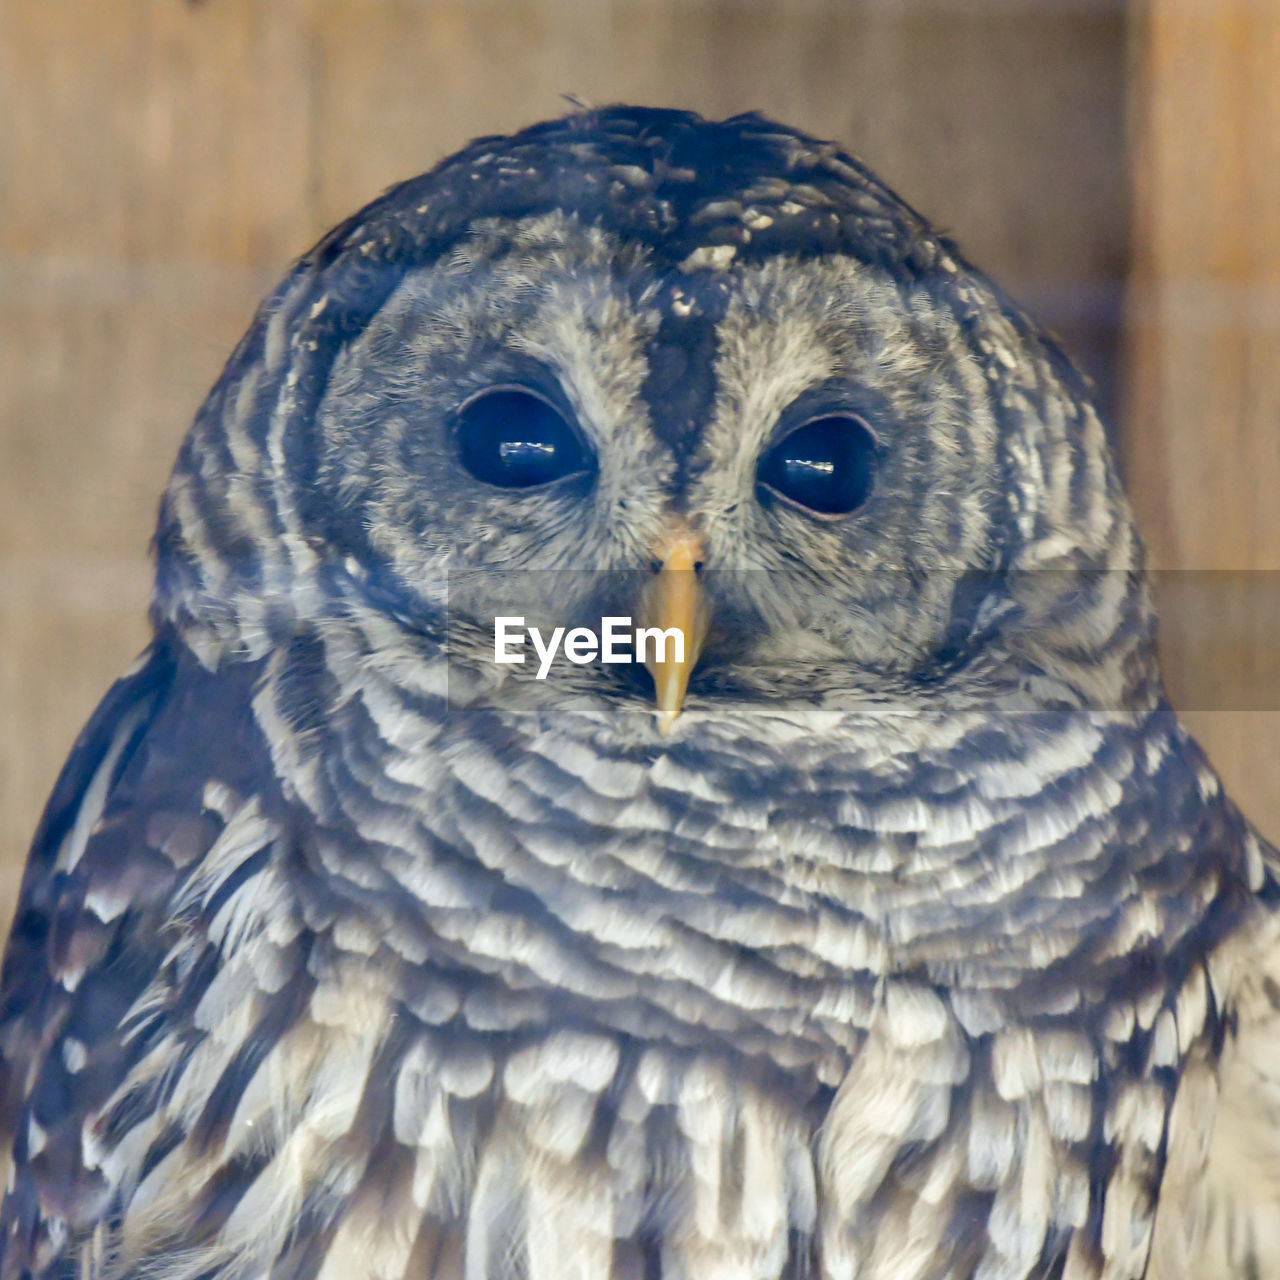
[(1202, 439), (154, 165)]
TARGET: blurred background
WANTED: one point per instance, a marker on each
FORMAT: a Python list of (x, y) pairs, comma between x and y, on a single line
[(1115, 165)]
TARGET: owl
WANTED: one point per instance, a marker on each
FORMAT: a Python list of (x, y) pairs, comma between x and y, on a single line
[(400, 916)]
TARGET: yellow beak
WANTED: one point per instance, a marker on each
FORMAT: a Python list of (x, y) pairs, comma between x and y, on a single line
[(673, 602)]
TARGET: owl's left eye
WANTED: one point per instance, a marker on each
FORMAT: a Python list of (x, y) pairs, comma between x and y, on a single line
[(827, 465), (513, 438)]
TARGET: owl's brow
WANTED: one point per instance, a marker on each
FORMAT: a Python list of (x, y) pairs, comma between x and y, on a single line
[(680, 386)]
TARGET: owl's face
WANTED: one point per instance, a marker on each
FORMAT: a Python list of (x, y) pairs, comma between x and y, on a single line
[(509, 410), (857, 463)]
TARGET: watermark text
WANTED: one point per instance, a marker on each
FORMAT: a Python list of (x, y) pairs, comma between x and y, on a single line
[(617, 641)]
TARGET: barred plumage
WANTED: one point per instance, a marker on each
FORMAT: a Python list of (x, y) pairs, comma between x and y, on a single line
[(923, 944)]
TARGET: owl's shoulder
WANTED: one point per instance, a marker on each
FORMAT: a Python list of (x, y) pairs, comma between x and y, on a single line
[(90, 976), (1241, 1205)]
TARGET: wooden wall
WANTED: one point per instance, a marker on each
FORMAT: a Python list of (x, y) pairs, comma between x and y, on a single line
[(161, 161), (1201, 422)]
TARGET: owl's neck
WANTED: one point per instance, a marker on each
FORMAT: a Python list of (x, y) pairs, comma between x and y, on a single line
[(760, 871)]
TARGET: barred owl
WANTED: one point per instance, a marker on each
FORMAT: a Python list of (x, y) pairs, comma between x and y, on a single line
[(887, 927)]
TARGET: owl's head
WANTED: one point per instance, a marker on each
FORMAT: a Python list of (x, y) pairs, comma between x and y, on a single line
[(711, 376)]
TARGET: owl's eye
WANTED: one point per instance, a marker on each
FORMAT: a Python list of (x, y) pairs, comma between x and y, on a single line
[(826, 466), (514, 439)]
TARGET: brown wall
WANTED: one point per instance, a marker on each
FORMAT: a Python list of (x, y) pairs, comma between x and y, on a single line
[(1201, 430), (160, 162)]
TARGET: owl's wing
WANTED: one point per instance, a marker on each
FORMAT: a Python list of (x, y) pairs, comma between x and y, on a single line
[(90, 979), (1242, 1185)]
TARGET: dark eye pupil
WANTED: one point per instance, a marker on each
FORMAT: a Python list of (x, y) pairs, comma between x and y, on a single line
[(827, 465), (515, 439)]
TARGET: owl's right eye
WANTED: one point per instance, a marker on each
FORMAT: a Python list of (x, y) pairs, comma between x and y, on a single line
[(514, 439)]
